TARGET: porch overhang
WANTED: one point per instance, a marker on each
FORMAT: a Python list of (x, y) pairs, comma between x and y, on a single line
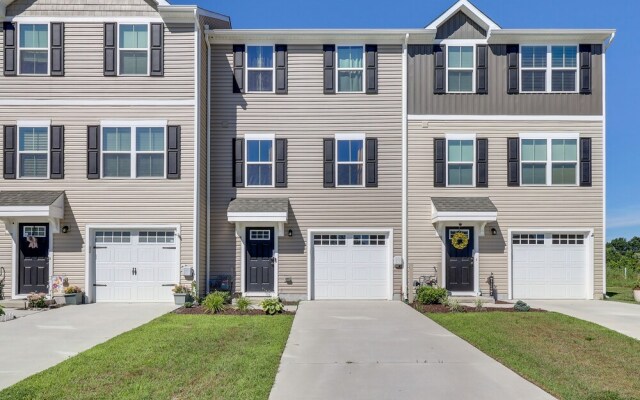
[(16, 205), (259, 210), (477, 211)]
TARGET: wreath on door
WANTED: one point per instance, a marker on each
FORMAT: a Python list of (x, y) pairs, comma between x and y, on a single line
[(460, 240)]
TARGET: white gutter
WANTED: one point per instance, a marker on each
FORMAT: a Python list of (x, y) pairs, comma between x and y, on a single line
[(604, 165), (405, 175), (208, 235), (196, 152)]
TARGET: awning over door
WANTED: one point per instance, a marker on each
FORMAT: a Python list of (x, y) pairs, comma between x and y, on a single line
[(48, 205), (253, 210), (463, 210)]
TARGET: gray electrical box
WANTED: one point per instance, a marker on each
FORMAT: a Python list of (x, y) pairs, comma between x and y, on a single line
[(187, 271), (397, 261)]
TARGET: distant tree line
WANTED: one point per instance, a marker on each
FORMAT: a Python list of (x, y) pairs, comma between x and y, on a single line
[(623, 253)]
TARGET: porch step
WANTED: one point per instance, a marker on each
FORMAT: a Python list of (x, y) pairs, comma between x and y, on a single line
[(472, 299), (16, 304)]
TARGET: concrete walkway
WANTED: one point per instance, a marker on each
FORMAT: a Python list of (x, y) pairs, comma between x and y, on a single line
[(386, 350), (36, 342), (617, 316)]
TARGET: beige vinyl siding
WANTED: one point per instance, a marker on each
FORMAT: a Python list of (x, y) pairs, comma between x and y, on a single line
[(105, 201), (305, 116), (84, 77), (518, 207), (87, 8)]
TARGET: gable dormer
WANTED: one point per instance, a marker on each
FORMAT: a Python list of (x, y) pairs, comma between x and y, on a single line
[(462, 21)]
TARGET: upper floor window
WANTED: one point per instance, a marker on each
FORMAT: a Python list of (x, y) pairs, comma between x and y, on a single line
[(460, 69), (33, 152), (548, 161), (133, 48), (260, 158), (549, 68), (34, 49), (350, 160), (350, 68), (133, 152), (260, 68), (460, 162)]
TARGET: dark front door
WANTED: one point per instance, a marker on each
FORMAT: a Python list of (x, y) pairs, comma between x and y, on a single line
[(260, 260), (33, 261), (460, 269)]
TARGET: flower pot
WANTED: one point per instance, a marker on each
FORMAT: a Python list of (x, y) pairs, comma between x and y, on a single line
[(181, 298), (636, 295), (73, 299)]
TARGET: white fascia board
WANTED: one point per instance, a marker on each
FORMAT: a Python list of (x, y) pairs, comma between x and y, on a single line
[(453, 216), (537, 36), (320, 36), (470, 11), (458, 117), (257, 217), (54, 210)]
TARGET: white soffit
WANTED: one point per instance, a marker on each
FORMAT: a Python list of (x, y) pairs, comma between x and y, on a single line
[(536, 36)]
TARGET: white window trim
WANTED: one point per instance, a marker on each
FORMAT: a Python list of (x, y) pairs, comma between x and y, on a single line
[(260, 136), (48, 48), (148, 49), (460, 136), (133, 125), (34, 124), (549, 137), (363, 68), (473, 46), (272, 69), (351, 136), (549, 68)]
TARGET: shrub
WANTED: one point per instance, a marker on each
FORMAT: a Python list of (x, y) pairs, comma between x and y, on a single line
[(636, 285), (272, 306), (215, 302), (37, 300), (479, 303), (188, 304), (431, 295), (72, 290), (243, 304), (180, 289), (1, 310), (521, 306), (454, 306)]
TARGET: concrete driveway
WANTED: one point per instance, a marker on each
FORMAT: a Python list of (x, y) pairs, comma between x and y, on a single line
[(34, 343), (620, 317), (386, 350)]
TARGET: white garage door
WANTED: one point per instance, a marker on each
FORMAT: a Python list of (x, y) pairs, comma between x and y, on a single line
[(136, 265), (549, 266), (351, 266)]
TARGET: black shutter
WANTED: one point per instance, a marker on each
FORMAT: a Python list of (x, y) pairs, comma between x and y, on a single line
[(281, 163), (238, 162), (157, 49), (482, 162), (372, 163), (482, 72), (585, 162), (281, 69), (93, 152), (57, 49), (238, 68), (371, 51), (439, 162), (10, 49), (57, 152), (440, 69), (513, 162), (173, 151), (110, 49), (329, 69), (329, 163), (513, 73), (585, 69), (10, 151)]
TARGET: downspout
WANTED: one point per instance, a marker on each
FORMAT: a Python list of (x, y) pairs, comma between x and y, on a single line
[(196, 151), (208, 163), (405, 176), (604, 165)]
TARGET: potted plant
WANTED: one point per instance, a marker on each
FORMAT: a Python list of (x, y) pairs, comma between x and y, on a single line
[(72, 296), (636, 291), (181, 295)]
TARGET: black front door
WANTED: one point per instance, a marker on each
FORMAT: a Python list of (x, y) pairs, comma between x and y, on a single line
[(260, 261), (33, 261), (460, 269)]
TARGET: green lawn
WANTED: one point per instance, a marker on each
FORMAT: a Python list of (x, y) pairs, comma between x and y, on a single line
[(568, 357), (172, 357), (619, 288)]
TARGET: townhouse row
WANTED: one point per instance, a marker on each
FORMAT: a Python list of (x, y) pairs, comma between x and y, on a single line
[(147, 144)]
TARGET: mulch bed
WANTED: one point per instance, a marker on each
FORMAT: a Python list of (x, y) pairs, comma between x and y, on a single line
[(199, 310), (442, 309)]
